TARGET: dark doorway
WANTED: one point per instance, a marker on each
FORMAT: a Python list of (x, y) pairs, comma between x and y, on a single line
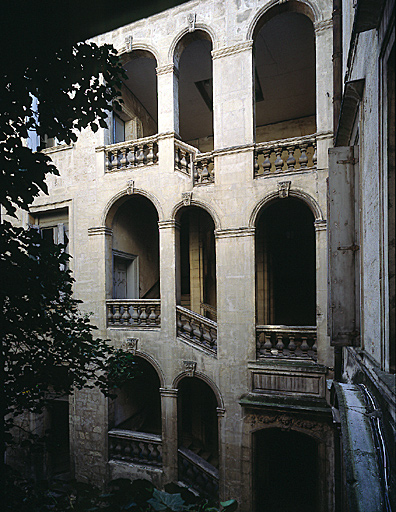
[(285, 472)]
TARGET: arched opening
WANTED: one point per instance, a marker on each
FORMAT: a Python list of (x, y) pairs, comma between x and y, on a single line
[(197, 262), (284, 75), (194, 60), (137, 406), (286, 471), (135, 428), (198, 436), (286, 264), (138, 116), (135, 254)]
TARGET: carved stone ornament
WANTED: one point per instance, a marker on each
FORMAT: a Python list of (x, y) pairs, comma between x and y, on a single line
[(186, 197), (128, 43), (284, 422), (191, 19), (130, 345), (190, 367), (130, 187), (283, 189)]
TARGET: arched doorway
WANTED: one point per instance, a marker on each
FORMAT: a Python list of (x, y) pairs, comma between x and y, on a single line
[(198, 436), (286, 472), (194, 61), (286, 264), (197, 262), (284, 75)]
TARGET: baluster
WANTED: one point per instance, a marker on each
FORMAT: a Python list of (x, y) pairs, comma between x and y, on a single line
[(197, 330), (144, 452), (314, 156), (187, 326), (131, 161), (267, 162), (123, 159), (135, 450), (117, 314), (207, 336), (291, 161), (109, 314), (150, 154), (205, 175), (179, 323), (114, 160), (183, 161), (303, 160), (314, 347), (126, 315), (143, 316), (135, 315), (107, 161), (140, 155), (279, 345), (259, 343), (152, 316), (268, 343), (256, 163), (177, 159), (278, 160), (127, 450), (304, 346), (292, 345), (196, 171), (118, 450)]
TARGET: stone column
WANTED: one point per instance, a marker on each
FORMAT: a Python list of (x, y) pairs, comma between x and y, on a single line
[(168, 99), (325, 352), (168, 247), (232, 95), (169, 434)]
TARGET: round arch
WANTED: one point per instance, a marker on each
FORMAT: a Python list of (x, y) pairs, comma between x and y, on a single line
[(275, 7), (298, 194), (116, 201), (140, 50), (154, 363), (204, 378), (177, 46), (176, 209)]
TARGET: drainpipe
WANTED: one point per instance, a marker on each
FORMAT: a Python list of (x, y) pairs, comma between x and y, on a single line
[(337, 62)]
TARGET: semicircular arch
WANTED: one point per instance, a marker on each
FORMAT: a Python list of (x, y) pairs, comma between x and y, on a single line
[(178, 45), (194, 202), (140, 49), (154, 363), (121, 197), (204, 378)]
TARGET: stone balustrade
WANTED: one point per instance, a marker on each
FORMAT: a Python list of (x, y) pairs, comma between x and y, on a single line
[(184, 155), (198, 474), (136, 447), (131, 313), (281, 341), (288, 155), (204, 168), (196, 329), (132, 154)]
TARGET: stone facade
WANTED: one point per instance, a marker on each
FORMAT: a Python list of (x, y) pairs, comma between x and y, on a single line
[(178, 221)]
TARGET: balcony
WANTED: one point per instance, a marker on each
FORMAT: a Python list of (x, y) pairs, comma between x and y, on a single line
[(132, 313), (135, 447), (289, 155), (131, 154), (279, 341), (196, 329)]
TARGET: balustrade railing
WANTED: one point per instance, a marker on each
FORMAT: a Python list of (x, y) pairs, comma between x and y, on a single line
[(184, 155), (133, 313), (288, 155), (131, 154), (204, 168), (198, 474), (196, 328), (137, 447), (283, 341)]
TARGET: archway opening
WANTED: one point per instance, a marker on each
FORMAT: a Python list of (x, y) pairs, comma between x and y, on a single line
[(137, 406), (286, 265), (196, 90), (138, 116), (197, 262), (284, 76), (135, 254), (286, 472)]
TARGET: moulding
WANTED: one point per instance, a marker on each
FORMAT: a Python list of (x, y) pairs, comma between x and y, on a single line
[(232, 50), (234, 232), (100, 230)]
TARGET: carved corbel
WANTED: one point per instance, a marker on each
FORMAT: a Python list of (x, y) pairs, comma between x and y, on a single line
[(186, 198), (130, 187), (190, 367), (191, 19), (130, 345), (128, 43), (283, 189)]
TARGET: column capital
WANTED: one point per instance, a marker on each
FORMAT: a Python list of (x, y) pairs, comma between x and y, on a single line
[(169, 392), (168, 224)]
